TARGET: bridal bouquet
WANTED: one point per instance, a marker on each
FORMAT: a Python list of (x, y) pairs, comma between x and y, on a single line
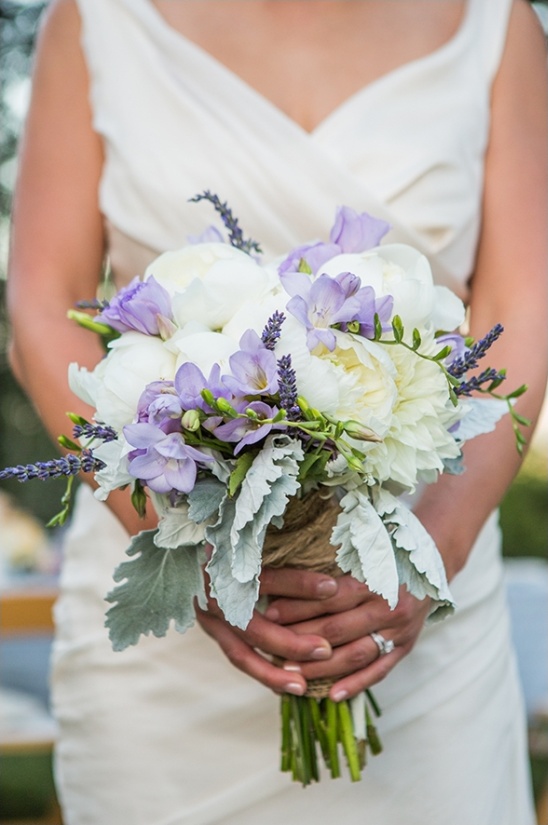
[(246, 401)]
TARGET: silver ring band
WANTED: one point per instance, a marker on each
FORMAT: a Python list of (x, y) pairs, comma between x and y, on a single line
[(385, 645)]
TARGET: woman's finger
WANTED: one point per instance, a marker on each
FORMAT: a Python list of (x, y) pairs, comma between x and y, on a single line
[(242, 656), (276, 640), (349, 594), (292, 583)]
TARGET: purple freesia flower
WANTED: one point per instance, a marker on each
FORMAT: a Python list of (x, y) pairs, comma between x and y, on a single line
[(160, 406), (351, 232), (360, 309), (355, 232), (142, 306), (254, 368), (315, 255), (164, 462), (250, 429), (190, 382), (327, 302)]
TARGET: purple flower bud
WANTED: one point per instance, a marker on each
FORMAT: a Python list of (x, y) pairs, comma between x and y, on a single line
[(353, 232), (142, 306), (160, 406)]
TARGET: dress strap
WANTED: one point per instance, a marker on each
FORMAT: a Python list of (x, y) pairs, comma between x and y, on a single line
[(490, 19)]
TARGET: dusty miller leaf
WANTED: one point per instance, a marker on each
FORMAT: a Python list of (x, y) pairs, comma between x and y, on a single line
[(205, 499), (265, 490), (236, 599), (482, 416), (158, 586), (420, 565), (366, 549)]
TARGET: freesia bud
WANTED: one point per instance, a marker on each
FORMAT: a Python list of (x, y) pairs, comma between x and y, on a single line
[(356, 430), (225, 407), (191, 420), (354, 463)]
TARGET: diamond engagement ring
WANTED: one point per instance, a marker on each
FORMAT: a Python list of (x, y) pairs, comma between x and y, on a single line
[(385, 645)]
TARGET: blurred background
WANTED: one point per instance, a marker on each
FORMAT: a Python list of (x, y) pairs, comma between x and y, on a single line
[(30, 555)]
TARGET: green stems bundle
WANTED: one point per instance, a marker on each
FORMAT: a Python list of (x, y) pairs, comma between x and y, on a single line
[(313, 729)]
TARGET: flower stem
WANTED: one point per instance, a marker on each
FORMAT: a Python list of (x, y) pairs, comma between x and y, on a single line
[(348, 740)]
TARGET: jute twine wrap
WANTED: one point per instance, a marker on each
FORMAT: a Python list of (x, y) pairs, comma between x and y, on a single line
[(303, 543)]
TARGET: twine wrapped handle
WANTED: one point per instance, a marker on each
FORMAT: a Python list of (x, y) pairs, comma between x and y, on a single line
[(303, 543)]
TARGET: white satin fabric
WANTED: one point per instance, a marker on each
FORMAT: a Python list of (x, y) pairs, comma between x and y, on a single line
[(168, 733)]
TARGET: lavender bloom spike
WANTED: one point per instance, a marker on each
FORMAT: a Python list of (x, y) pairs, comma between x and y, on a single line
[(235, 234), (271, 332), (69, 465), (287, 383), (476, 382), (100, 431), (94, 304), (470, 360)]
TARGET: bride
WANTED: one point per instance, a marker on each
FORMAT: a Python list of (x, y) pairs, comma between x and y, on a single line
[(429, 114)]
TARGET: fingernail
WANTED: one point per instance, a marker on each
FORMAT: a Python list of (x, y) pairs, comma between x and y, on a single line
[(292, 668), (327, 587), (339, 695), (295, 688), (272, 614), (321, 653)]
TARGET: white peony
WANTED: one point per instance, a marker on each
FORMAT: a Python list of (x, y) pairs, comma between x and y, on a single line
[(403, 272), (209, 282), (203, 348), (417, 440), (115, 385)]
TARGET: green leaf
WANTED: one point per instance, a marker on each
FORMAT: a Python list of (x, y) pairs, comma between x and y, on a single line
[(68, 444), (518, 392), (243, 463), (397, 328), (442, 354), (313, 466), (158, 587)]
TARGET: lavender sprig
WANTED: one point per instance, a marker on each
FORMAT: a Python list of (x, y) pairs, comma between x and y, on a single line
[(469, 361), (100, 431), (271, 332), (69, 465), (235, 234), (287, 388), (95, 303), (476, 382)]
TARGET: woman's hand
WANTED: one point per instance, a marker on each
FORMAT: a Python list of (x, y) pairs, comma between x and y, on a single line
[(346, 620), (248, 649), (320, 627)]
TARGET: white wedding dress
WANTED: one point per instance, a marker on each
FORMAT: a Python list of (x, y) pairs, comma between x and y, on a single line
[(168, 732)]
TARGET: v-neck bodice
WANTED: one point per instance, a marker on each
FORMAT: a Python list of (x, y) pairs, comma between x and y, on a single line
[(174, 120)]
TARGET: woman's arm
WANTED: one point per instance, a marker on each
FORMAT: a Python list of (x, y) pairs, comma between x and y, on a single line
[(509, 287), (57, 243), (57, 253)]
